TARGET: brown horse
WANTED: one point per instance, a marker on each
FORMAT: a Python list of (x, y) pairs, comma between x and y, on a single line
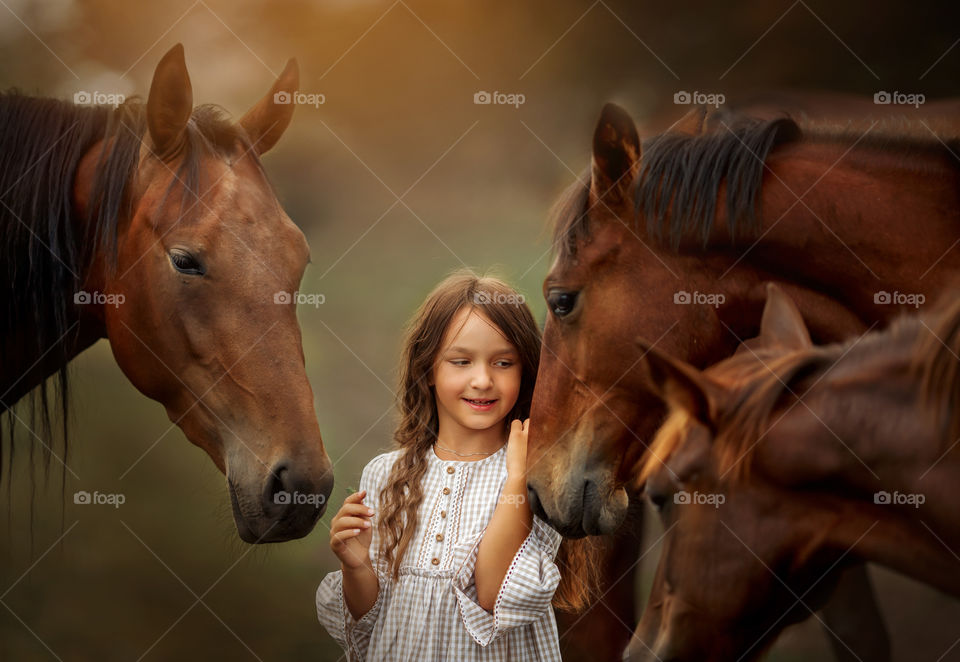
[(672, 241), (787, 460), (154, 226)]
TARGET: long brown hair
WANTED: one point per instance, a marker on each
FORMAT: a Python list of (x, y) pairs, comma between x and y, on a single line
[(417, 430)]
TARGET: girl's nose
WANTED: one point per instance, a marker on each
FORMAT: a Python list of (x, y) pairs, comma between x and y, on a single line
[(481, 379)]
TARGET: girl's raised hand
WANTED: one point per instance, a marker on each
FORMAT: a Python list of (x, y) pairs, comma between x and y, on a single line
[(351, 531), (517, 449)]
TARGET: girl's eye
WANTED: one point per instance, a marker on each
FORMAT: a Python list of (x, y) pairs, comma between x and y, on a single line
[(459, 362), (504, 364), (185, 263)]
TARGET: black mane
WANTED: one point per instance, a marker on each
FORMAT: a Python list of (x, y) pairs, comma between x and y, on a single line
[(680, 176)]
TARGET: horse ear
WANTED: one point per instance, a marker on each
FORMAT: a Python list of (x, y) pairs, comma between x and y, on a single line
[(782, 324), (269, 118), (692, 123), (680, 385), (616, 155), (170, 102)]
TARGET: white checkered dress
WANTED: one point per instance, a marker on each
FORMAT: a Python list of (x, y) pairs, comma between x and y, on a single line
[(431, 612)]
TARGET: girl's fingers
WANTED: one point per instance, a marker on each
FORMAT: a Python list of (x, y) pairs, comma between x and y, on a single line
[(351, 523), (344, 536), (356, 497), (355, 509)]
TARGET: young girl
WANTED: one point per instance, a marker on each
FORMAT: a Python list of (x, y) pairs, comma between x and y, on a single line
[(440, 555)]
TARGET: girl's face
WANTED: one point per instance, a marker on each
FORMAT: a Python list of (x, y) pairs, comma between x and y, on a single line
[(476, 378)]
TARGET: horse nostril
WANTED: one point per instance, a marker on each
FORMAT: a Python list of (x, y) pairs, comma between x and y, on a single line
[(279, 491)]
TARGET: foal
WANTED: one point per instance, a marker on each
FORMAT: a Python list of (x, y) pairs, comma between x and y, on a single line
[(785, 462)]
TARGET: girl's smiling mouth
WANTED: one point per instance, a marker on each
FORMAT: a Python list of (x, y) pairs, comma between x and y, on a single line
[(481, 404)]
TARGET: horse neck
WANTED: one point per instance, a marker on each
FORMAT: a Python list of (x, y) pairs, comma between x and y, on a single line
[(863, 453), (837, 249), (889, 535), (911, 200), (860, 424)]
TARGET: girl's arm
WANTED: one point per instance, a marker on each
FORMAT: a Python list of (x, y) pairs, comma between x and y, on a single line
[(510, 525), (360, 588)]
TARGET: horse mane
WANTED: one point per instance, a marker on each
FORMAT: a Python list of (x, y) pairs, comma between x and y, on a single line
[(757, 386), (680, 175), (44, 256)]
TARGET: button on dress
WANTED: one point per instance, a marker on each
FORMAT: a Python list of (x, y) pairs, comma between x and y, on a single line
[(431, 612)]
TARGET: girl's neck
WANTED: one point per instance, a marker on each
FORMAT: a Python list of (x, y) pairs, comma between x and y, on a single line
[(470, 444)]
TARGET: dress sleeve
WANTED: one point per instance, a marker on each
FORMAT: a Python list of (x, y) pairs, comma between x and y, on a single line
[(527, 587), (354, 635)]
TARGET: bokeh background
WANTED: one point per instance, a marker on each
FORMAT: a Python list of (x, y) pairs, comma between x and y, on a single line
[(396, 179)]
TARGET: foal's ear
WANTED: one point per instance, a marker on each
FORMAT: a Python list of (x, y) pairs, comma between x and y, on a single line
[(170, 102), (782, 325), (269, 118), (680, 385), (691, 124), (616, 156)]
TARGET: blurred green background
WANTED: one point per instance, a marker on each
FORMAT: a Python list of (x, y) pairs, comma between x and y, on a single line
[(399, 78)]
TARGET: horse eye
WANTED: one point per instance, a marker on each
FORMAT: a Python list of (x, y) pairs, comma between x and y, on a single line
[(185, 263), (561, 303)]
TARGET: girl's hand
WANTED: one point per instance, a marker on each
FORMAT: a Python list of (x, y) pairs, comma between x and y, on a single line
[(351, 532), (517, 449)]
